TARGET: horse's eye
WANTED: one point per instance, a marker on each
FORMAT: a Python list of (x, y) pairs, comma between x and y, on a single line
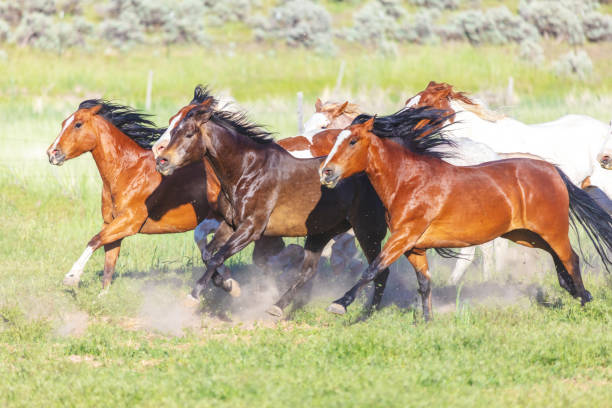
[(78, 125), (352, 142)]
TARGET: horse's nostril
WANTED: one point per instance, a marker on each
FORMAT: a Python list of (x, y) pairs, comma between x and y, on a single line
[(327, 172)]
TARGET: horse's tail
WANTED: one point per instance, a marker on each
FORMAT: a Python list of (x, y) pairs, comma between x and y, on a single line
[(596, 222)]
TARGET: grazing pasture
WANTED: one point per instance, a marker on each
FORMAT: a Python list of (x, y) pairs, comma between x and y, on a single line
[(518, 340)]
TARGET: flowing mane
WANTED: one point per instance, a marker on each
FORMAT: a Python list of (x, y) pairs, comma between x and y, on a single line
[(238, 121), (133, 123), (402, 126), (439, 95)]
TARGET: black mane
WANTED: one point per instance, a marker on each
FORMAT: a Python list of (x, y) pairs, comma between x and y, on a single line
[(401, 126), (237, 121), (130, 121)]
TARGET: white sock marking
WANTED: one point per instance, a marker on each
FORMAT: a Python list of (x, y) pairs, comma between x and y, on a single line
[(79, 265)]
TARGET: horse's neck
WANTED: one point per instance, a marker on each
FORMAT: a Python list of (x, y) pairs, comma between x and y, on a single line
[(115, 152), (388, 167), (230, 154)]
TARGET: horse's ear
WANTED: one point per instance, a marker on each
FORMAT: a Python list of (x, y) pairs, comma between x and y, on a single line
[(431, 83), (318, 105), (95, 109), (341, 109), (203, 111), (369, 124)]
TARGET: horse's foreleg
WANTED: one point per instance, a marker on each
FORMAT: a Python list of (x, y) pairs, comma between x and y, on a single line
[(222, 235), (246, 233), (123, 226), (223, 232), (111, 253), (397, 244)]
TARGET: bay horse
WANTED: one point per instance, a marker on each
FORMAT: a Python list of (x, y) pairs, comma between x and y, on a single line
[(266, 192), (434, 204), (135, 197)]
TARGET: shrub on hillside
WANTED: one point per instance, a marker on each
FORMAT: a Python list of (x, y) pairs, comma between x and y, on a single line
[(186, 24), (439, 4), (597, 26), (36, 29), (222, 11), (122, 31), (558, 19), (11, 13), (575, 64), (72, 7), (496, 26), (298, 23), (379, 22), (531, 51), (37, 6)]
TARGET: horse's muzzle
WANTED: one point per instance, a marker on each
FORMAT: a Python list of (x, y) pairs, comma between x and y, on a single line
[(56, 157), (329, 177), (163, 166)]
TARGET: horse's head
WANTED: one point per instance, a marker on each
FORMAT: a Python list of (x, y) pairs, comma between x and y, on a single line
[(349, 154), (78, 135), (440, 95), (188, 138), (605, 155), (331, 115)]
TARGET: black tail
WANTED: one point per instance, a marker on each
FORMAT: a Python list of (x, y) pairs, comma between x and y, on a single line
[(597, 223)]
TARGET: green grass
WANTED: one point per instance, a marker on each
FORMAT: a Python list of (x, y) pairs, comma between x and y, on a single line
[(69, 347)]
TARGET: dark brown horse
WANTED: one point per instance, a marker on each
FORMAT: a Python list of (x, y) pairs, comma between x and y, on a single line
[(433, 204), (267, 192), (135, 197)]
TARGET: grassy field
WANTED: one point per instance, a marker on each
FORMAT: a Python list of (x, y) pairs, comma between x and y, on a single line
[(517, 341)]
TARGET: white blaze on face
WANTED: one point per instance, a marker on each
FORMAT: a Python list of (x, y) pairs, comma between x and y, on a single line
[(413, 101), (165, 137), (316, 122), (345, 134), (66, 124)]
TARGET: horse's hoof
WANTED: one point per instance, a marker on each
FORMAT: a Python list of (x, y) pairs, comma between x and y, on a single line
[(587, 297), (232, 287), (71, 280), (336, 308), (275, 311), (103, 292)]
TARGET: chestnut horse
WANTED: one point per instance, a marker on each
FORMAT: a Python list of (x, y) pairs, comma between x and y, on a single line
[(266, 192), (135, 197), (433, 204)]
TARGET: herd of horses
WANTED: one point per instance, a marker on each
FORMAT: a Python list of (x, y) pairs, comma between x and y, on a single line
[(442, 172)]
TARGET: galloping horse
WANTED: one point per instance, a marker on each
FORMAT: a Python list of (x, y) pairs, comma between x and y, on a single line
[(267, 192), (572, 142), (135, 197), (433, 204)]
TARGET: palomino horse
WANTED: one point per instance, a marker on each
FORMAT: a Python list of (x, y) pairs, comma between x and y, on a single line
[(135, 197), (267, 192), (572, 142), (434, 204)]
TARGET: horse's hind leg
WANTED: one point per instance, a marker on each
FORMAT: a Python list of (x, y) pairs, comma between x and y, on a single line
[(313, 248), (566, 260), (418, 260), (466, 256)]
